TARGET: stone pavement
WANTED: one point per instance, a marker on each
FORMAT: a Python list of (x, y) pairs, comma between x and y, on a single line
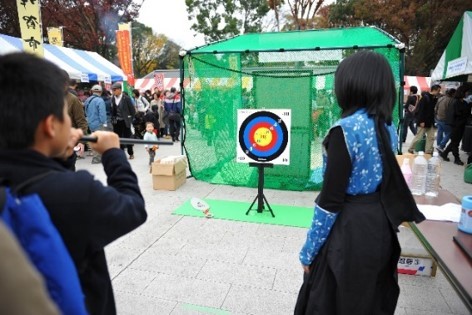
[(185, 265)]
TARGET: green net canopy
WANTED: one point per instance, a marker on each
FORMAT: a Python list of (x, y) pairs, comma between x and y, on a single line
[(270, 72), (340, 38)]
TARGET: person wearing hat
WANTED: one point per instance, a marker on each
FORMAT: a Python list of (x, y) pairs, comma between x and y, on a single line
[(123, 111), (96, 116), (75, 109)]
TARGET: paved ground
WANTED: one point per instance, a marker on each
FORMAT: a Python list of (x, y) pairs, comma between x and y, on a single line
[(184, 265)]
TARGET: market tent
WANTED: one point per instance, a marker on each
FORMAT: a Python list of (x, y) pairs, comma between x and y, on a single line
[(149, 83), (422, 83), (455, 63), (80, 64)]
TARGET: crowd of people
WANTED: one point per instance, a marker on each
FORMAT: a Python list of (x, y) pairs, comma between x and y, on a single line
[(440, 117), (97, 108)]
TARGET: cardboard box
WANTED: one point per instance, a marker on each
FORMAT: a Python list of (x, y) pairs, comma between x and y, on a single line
[(168, 176), (417, 265)]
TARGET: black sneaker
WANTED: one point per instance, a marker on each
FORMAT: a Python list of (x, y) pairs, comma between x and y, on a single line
[(458, 162), (444, 156)]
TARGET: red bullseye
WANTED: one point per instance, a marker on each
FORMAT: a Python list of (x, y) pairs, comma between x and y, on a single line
[(253, 137)]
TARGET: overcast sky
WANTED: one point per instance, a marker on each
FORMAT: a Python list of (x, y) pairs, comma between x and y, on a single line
[(169, 17)]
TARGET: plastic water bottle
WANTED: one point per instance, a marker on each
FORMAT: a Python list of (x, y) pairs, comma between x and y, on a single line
[(406, 171), (433, 175), (465, 223), (418, 180)]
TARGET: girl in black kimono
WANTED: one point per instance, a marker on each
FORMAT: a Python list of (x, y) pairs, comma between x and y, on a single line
[(351, 252)]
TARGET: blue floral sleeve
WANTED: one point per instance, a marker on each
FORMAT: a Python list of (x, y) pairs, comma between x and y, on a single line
[(321, 225)]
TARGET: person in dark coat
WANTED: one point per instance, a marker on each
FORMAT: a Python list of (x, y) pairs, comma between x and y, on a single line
[(409, 113), (351, 252), (87, 214), (458, 114), (123, 112)]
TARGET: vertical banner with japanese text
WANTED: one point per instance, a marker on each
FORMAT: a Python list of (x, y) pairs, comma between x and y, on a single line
[(159, 81), (29, 15), (55, 36), (125, 53)]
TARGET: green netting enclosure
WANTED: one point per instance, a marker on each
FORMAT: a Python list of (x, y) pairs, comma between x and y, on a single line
[(282, 70)]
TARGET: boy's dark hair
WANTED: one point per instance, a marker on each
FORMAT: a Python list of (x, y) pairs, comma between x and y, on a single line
[(365, 80), (31, 89), (413, 89)]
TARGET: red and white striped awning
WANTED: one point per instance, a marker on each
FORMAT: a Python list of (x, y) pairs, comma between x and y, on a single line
[(422, 83), (149, 84)]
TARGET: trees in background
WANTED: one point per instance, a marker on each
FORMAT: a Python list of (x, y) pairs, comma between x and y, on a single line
[(87, 24), (220, 19), (91, 25), (302, 14), (424, 26), (152, 51)]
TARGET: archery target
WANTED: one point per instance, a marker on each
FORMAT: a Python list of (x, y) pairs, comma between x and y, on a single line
[(264, 136)]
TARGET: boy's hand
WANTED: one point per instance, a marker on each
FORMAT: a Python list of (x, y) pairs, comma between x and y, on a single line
[(105, 140)]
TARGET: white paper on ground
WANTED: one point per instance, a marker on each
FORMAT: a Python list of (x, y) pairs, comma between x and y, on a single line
[(447, 212)]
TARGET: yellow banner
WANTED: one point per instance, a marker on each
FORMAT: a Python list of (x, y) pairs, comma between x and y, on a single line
[(55, 36), (124, 27), (29, 14)]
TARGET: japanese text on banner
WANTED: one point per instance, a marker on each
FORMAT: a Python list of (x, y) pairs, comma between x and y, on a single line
[(29, 15)]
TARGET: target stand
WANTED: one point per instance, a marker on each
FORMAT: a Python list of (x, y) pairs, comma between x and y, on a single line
[(260, 198)]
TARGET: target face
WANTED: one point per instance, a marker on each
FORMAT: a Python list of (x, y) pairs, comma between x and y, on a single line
[(263, 136)]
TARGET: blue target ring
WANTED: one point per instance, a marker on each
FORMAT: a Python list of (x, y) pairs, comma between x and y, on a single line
[(257, 126)]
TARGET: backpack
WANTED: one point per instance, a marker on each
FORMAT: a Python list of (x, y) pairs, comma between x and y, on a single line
[(29, 221), (414, 108)]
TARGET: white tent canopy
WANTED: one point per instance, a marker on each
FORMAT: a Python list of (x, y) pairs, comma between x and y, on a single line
[(80, 64), (456, 61)]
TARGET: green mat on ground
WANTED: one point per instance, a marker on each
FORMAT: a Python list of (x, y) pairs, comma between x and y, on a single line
[(236, 210)]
